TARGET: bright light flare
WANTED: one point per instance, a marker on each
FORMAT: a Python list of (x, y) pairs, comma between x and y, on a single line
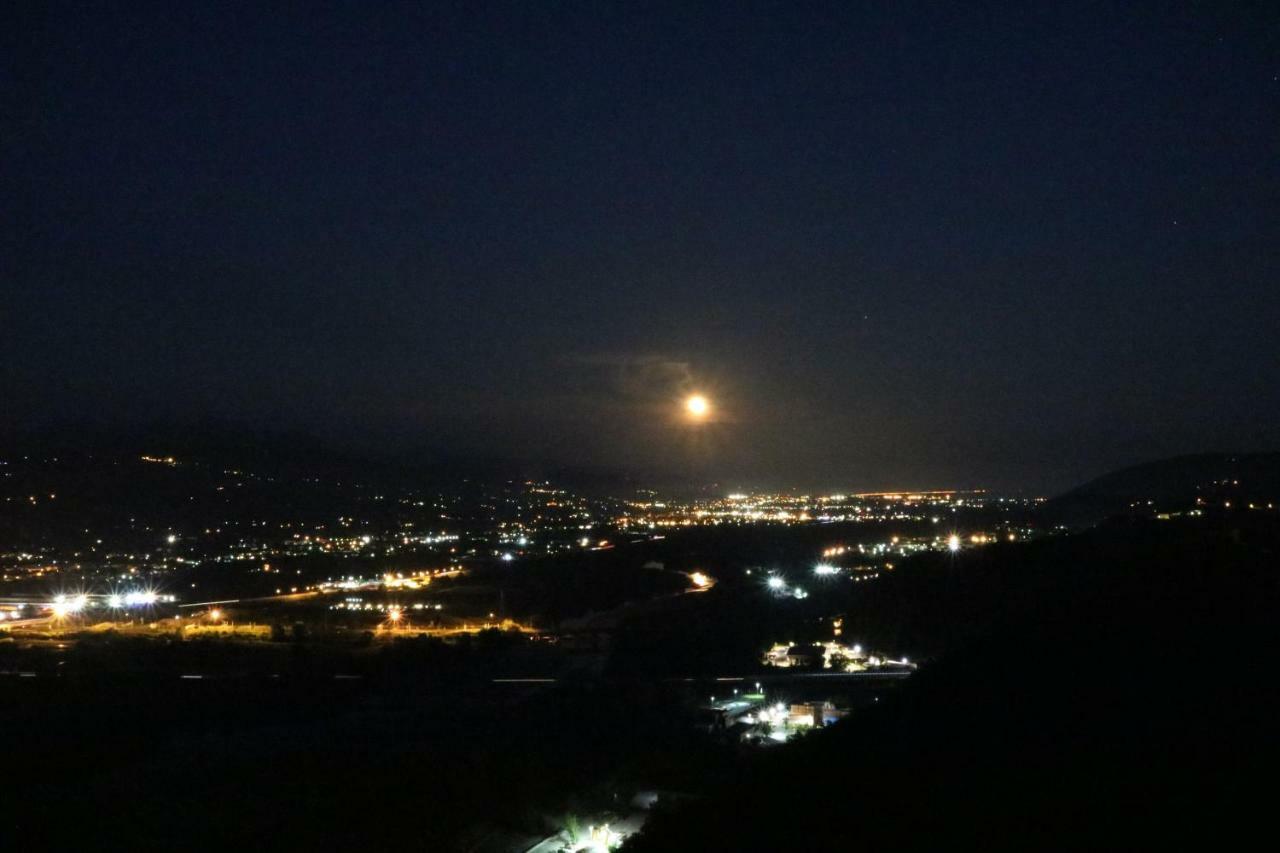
[(697, 406), (776, 582), (953, 543), (825, 569), (64, 606), (215, 614)]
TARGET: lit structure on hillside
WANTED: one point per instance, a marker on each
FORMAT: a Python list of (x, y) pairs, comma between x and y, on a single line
[(830, 655)]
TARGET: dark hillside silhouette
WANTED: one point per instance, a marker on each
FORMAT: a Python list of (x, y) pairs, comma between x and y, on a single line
[(1093, 691)]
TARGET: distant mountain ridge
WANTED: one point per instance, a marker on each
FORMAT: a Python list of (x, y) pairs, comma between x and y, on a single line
[(297, 453), (1169, 485)]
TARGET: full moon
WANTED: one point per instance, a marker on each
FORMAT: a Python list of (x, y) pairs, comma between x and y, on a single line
[(697, 406)]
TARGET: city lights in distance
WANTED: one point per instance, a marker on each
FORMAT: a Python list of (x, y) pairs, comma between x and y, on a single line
[(953, 543), (776, 582), (825, 569)]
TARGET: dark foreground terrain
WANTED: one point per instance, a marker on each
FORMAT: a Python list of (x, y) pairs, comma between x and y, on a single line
[(1079, 690), (1110, 689)]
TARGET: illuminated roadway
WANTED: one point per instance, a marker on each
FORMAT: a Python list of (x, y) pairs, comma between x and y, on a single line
[(27, 623)]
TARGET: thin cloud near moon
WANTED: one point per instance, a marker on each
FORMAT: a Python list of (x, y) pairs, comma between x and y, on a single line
[(636, 379)]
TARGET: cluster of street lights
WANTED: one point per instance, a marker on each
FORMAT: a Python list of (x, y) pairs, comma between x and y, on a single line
[(63, 606), (779, 587)]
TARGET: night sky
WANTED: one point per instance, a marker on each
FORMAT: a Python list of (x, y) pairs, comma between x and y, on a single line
[(896, 244)]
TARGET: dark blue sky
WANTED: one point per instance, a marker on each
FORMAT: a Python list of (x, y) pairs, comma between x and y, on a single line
[(897, 243)]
